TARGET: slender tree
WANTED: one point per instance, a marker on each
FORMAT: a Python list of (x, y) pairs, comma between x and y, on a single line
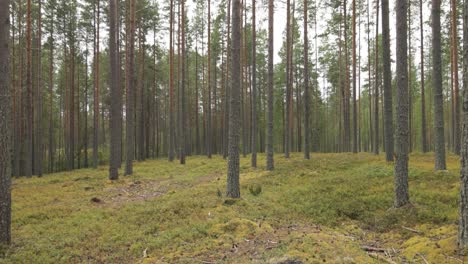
[(254, 87), (115, 100), (288, 116), (402, 129), (376, 84), (456, 97), (306, 87), (182, 90), (387, 75), (355, 112), (171, 137), (233, 185), (28, 156), (96, 87), (5, 124), (439, 143), (423, 96), (130, 112), (38, 149), (463, 218), (269, 144)]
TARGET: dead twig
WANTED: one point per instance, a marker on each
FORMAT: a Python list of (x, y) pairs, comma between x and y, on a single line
[(422, 257)]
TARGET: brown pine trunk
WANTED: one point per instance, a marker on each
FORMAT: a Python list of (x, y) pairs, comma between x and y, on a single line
[(306, 87), (456, 98), (233, 185), (269, 144), (5, 124), (423, 96), (130, 114), (96, 89)]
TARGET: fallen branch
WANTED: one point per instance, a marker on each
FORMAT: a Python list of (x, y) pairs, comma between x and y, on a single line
[(373, 249), (447, 256)]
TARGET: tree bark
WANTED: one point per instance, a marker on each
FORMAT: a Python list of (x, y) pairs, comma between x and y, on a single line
[(254, 87), (233, 185), (306, 87), (423, 96), (269, 144), (387, 74), (115, 100), (5, 125), (463, 217), (439, 137), (456, 114), (401, 163), (130, 113)]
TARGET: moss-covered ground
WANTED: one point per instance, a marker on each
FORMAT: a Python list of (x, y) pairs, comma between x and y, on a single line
[(326, 210)]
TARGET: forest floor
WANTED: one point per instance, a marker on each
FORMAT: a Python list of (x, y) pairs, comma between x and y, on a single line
[(335, 208)]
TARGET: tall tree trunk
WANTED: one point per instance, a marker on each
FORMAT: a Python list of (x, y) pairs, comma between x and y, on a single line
[(5, 125), (171, 153), (369, 65), (463, 218), (96, 90), (306, 87), (115, 100), (233, 185), (376, 85), (456, 114), (402, 133), (208, 139), (423, 96), (254, 87), (288, 115), (38, 150), (182, 123), (270, 162), (228, 83), (28, 156), (51, 95), (387, 74), (130, 113), (439, 143), (355, 112)]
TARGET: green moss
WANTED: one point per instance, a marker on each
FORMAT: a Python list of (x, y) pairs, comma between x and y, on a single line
[(320, 210)]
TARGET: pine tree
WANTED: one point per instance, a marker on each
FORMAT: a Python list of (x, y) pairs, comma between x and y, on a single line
[(402, 133), (5, 124), (387, 74), (439, 138), (233, 185)]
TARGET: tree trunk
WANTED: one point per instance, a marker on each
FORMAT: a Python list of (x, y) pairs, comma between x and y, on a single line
[(423, 96), (376, 85), (306, 87), (439, 143), (288, 115), (182, 127), (456, 99), (254, 87), (355, 112), (208, 139), (171, 154), (401, 163), (96, 90), (27, 166), (270, 162), (130, 113), (233, 185), (387, 74), (115, 100), (463, 218), (5, 125)]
